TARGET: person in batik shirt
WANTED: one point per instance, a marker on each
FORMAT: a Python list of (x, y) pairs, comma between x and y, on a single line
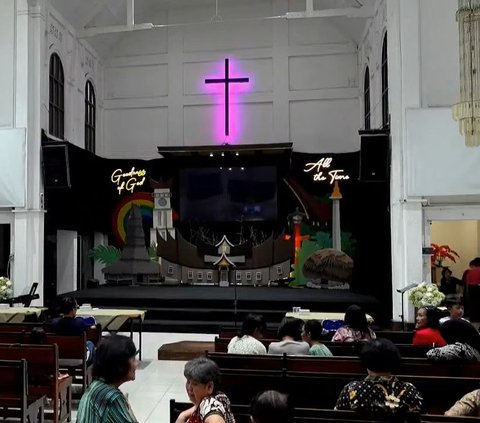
[(210, 405), (380, 391)]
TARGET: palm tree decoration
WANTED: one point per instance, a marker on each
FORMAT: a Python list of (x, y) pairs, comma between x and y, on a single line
[(442, 252)]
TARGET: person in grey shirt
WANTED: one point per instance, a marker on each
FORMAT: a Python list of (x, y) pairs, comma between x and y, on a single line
[(290, 334)]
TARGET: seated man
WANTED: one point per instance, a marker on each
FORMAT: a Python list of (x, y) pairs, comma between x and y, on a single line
[(380, 391), (69, 324)]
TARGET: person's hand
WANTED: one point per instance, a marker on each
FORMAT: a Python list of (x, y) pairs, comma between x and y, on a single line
[(185, 415)]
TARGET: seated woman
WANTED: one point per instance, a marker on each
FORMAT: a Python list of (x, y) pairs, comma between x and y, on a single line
[(69, 324), (380, 391), (312, 334), (290, 333), (270, 407), (468, 405), (463, 342), (355, 327), (247, 341), (210, 405), (114, 365), (427, 327)]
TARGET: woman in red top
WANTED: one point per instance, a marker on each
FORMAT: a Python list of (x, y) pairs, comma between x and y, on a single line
[(427, 328)]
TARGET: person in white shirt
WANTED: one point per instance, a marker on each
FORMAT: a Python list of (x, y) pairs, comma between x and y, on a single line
[(247, 341), (290, 333)]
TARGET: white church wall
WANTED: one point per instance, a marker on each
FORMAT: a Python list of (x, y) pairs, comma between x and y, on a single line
[(80, 63), (155, 92), (440, 80), (7, 70), (370, 54)]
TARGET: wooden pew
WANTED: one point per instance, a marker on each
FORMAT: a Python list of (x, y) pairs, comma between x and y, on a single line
[(311, 415), (15, 401), (71, 350), (94, 333), (43, 375), (409, 366), (322, 389), (397, 337)]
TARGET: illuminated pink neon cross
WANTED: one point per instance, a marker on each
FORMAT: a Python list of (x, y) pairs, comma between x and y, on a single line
[(227, 81)]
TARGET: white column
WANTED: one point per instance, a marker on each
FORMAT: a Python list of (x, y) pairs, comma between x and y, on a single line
[(67, 265), (29, 221), (405, 92)]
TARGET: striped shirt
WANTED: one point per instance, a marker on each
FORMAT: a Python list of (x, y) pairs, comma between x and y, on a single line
[(103, 403)]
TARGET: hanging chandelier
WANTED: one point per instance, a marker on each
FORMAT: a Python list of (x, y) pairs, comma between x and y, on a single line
[(467, 111)]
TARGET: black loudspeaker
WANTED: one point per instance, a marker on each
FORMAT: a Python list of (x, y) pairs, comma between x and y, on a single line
[(374, 157), (56, 168)]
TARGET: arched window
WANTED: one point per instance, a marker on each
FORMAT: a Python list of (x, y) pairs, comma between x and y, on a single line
[(90, 121), (385, 111), (366, 99), (56, 98)]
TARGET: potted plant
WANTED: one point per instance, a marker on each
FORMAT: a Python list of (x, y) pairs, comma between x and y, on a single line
[(439, 255)]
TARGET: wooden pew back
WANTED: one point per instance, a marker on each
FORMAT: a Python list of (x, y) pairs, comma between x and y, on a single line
[(43, 374)]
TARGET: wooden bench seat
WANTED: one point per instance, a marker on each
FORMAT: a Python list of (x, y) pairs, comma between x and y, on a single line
[(311, 415), (15, 401), (408, 366), (44, 377), (71, 349)]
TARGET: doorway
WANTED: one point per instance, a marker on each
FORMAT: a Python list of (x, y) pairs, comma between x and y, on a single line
[(5, 256)]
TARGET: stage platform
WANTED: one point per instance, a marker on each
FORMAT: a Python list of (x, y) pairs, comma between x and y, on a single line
[(202, 309)]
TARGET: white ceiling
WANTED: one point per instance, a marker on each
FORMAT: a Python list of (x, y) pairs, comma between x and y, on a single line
[(83, 14)]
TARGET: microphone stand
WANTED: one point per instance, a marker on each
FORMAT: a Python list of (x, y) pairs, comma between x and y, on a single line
[(235, 301), (402, 291)]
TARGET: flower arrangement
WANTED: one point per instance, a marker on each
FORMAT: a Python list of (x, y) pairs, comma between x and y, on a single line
[(442, 252), (426, 294), (6, 288)]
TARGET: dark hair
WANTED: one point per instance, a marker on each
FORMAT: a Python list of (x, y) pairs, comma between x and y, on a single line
[(37, 335), (203, 370), (314, 328), (475, 262), (433, 315), (290, 326), (252, 322), (458, 330), (67, 304), (452, 302), (271, 407), (380, 355), (356, 319), (445, 270), (112, 357)]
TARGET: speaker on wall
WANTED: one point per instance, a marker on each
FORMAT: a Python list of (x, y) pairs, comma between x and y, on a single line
[(374, 156), (56, 168)]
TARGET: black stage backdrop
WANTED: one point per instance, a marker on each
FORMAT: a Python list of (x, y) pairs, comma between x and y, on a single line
[(94, 203)]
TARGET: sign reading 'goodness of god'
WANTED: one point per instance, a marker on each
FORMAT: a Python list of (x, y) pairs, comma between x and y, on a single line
[(128, 180), (322, 171)]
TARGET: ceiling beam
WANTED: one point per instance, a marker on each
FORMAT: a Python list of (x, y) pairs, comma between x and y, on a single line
[(348, 12), (92, 32), (92, 12)]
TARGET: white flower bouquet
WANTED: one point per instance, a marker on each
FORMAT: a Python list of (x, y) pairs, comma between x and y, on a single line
[(6, 288), (426, 294)]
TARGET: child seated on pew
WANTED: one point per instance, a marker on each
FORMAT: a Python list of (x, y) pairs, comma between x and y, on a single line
[(69, 324), (380, 391), (271, 407), (247, 341), (312, 334)]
